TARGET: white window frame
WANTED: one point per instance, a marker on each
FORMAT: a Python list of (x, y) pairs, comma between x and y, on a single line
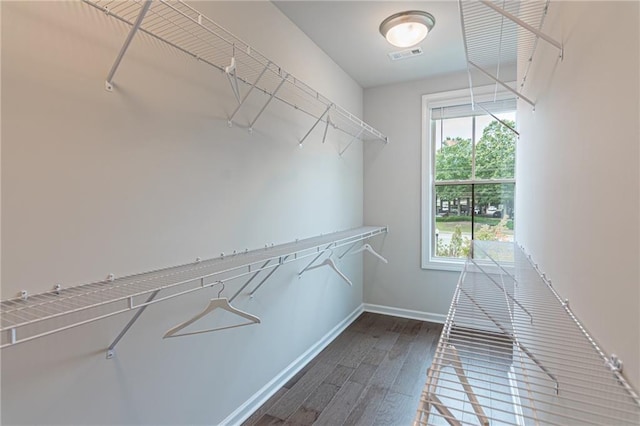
[(427, 216)]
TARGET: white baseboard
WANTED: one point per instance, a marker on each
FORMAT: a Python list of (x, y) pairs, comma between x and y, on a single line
[(259, 398), (405, 313)]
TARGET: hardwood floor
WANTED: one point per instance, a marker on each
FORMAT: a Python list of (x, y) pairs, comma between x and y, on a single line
[(372, 374)]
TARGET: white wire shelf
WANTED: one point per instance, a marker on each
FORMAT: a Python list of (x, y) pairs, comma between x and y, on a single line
[(43, 314), (513, 352), (499, 35), (183, 27)]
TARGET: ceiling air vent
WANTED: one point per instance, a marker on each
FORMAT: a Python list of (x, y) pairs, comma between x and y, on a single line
[(404, 54)]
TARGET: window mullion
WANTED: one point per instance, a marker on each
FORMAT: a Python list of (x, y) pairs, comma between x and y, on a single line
[(473, 148)]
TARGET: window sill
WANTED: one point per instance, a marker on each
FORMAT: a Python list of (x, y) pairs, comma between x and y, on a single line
[(443, 265)]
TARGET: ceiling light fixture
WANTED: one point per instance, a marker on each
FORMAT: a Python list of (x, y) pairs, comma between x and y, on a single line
[(408, 28)]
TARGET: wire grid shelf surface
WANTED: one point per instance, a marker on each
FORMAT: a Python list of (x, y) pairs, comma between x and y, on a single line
[(493, 41), (511, 352), (50, 312), (183, 27)]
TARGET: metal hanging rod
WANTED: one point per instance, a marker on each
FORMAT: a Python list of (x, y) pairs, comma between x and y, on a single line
[(32, 316), (499, 34), (186, 29), (535, 367)]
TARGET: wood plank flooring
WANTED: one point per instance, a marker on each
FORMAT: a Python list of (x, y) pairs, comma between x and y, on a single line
[(372, 374)]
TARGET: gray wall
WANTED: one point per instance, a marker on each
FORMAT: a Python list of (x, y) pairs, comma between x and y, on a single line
[(578, 170), (392, 195), (150, 176)]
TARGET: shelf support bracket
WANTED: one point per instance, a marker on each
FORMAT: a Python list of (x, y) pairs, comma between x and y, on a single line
[(348, 250), (125, 46), (352, 141), (112, 346), (280, 263), (497, 119), (314, 260), (316, 123), (326, 127), (507, 333), (253, 86), (267, 103), (249, 280), (524, 25), (497, 284), (500, 82)]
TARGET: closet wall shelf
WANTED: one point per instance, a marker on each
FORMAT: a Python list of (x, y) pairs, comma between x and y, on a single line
[(33, 316), (183, 27), (512, 351), (499, 34)]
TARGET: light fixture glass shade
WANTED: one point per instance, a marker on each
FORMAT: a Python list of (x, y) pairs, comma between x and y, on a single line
[(408, 28)]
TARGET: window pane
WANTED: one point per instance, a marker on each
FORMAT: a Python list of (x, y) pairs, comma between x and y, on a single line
[(494, 212), (453, 221), (453, 148), (495, 147)]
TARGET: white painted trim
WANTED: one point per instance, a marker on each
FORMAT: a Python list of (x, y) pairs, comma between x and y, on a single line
[(405, 313), (243, 412)]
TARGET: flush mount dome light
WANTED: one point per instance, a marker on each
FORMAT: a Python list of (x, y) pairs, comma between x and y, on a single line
[(408, 28)]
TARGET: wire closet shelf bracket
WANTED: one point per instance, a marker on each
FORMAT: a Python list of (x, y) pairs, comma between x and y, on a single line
[(513, 352), (179, 25), (499, 35), (32, 316)]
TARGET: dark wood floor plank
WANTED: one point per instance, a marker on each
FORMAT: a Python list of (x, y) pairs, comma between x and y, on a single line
[(366, 409), (371, 374), (268, 420), (396, 409), (313, 406), (253, 419), (294, 397), (375, 356), (358, 350), (397, 325), (299, 375), (363, 373), (412, 374), (388, 369), (341, 405), (412, 327), (335, 350), (386, 340), (364, 322), (321, 397), (302, 417), (339, 375)]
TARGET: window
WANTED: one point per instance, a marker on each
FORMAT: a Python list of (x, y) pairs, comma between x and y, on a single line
[(468, 174)]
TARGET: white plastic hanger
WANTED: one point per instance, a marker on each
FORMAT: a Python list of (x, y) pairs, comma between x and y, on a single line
[(367, 248), (330, 263), (218, 303), (370, 249), (232, 75)]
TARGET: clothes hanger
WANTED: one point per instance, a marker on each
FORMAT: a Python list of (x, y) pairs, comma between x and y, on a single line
[(370, 249), (365, 247), (330, 263), (218, 303)]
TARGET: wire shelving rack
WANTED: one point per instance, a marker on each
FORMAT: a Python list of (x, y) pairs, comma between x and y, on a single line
[(503, 33), (186, 29), (513, 352), (33, 316)]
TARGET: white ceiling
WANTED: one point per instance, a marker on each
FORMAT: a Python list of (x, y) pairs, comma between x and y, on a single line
[(348, 32)]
